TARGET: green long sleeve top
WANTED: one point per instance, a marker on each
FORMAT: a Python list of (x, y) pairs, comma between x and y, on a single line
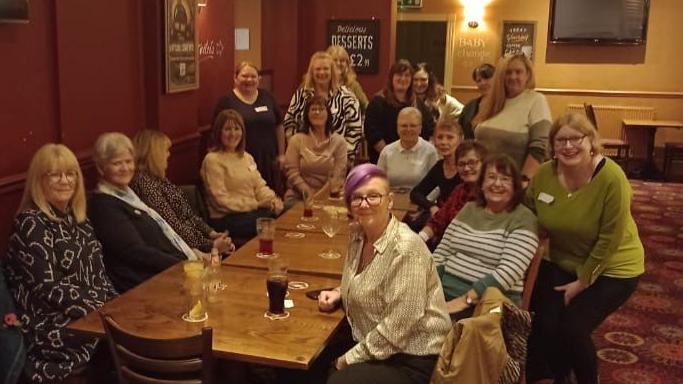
[(591, 231)]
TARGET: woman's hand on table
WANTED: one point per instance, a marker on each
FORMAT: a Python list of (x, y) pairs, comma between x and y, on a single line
[(276, 205), (223, 244), (329, 300)]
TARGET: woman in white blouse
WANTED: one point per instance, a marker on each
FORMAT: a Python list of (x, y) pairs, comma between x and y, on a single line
[(390, 292)]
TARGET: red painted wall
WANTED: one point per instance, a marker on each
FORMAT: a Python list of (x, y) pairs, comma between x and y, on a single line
[(294, 29)]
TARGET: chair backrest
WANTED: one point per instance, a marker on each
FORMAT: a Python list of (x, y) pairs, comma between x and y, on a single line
[(590, 114), (195, 197), (154, 361), (532, 273)]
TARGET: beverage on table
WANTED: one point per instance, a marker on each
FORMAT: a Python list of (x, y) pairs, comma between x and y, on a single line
[(265, 229), (276, 285)]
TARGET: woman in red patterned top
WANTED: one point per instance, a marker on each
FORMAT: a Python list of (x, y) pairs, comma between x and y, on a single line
[(468, 158)]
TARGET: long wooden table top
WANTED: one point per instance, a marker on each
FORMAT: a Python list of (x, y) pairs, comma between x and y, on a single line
[(401, 200), (302, 253), (636, 123), (240, 331)]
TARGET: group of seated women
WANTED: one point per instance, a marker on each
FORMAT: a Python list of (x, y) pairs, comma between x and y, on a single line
[(481, 207)]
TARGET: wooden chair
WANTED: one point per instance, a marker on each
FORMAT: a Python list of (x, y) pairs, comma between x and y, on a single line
[(672, 152), (618, 149), (532, 273), (154, 361)]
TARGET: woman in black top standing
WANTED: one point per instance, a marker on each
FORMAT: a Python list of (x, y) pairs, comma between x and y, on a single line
[(481, 75)]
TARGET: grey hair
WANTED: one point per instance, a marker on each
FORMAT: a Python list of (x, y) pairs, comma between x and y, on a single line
[(410, 111), (110, 145)]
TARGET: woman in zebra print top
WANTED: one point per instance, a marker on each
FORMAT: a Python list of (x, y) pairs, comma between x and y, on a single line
[(323, 80)]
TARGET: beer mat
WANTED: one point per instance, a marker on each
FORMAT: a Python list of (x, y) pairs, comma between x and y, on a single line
[(308, 227), (294, 235), (297, 285), (276, 316), (186, 317), (266, 256), (309, 219), (289, 303)]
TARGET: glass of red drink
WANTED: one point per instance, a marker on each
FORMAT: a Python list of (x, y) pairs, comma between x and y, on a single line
[(265, 229), (308, 207)]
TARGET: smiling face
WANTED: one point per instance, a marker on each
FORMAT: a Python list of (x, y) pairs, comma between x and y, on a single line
[(119, 169), (341, 63), (572, 148), (401, 81), (408, 126), (59, 186), (247, 79), (373, 216), (420, 82), (516, 78), (446, 141), (231, 136), (469, 166), (498, 189), (322, 72), (317, 115)]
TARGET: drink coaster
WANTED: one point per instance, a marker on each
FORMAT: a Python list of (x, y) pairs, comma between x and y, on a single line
[(294, 285), (276, 316), (310, 219), (186, 317), (266, 256), (294, 235), (330, 255), (307, 227)]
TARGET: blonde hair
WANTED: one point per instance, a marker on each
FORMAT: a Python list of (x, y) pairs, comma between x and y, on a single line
[(450, 124), (49, 158), (494, 102), (579, 123), (337, 51), (150, 151), (110, 145), (239, 67), (307, 82)]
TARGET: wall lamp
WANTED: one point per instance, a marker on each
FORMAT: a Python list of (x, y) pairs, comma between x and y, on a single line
[(474, 12)]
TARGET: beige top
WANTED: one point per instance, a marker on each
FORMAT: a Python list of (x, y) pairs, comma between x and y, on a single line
[(396, 305), (233, 184), (309, 163)]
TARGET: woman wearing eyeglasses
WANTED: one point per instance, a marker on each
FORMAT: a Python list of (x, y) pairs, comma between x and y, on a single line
[(390, 292), (583, 201), (468, 158), (314, 153), (491, 241), (54, 266)]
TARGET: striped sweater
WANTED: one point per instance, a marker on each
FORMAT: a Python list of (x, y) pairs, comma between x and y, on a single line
[(481, 249)]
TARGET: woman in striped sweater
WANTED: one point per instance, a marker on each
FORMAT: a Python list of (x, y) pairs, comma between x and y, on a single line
[(490, 243)]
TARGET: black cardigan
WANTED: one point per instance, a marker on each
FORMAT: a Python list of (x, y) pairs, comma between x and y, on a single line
[(135, 248)]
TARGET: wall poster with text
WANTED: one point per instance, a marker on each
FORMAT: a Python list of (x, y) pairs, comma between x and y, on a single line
[(182, 69), (360, 38), (518, 37)]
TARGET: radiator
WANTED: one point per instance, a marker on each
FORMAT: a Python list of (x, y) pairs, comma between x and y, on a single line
[(609, 119)]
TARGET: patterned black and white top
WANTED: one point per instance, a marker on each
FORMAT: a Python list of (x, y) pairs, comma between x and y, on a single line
[(169, 201), (56, 275), (346, 116)]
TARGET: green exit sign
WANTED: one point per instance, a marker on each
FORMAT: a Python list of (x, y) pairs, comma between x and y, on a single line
[(410, 3)]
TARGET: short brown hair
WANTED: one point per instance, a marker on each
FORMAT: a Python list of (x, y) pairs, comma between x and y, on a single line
[(505, 165), (227, 116), (470, 145)]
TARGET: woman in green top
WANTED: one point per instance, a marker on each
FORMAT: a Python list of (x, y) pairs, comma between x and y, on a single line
[(583, 201)]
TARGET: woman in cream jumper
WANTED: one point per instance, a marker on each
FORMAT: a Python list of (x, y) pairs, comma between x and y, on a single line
[(236, 194)]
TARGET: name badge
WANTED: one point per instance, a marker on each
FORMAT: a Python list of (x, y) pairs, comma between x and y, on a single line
[(546, 198), (262, 108)]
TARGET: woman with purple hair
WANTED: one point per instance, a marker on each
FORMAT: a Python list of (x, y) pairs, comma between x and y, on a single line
[(390, 292)]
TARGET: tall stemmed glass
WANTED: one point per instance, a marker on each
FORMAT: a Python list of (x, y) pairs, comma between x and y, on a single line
[(330, 225)]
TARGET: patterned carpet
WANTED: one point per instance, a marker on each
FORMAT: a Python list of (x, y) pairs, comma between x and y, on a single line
[(642, 343)]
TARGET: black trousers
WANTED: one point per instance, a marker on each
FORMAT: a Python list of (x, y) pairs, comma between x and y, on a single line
[(240, 225), (560, 340)]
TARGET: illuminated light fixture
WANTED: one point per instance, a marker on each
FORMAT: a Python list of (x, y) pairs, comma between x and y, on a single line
[(202, 3), (474, 12)]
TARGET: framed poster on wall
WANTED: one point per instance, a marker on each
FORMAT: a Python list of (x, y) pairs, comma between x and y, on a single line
[(519, 37), (182, 68), (360, 38)]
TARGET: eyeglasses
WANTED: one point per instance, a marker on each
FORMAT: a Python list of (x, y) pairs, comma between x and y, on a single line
[(56, 177), (318, 110), (565, 141), (373, 200), (469, 163), (493, 177)]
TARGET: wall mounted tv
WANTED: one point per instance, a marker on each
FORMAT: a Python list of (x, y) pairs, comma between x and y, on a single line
[(14, 11), (598, 21)]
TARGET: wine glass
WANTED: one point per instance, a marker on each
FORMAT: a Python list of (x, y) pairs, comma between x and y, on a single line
[(336, 182), (330, 225)]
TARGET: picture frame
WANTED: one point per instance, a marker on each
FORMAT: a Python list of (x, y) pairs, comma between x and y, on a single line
[(181, 47), (518, 37)]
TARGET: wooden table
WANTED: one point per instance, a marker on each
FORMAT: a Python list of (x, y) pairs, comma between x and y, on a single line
[(302, 254), (240, 331), (291, 220), (401, 200), (651, 127)]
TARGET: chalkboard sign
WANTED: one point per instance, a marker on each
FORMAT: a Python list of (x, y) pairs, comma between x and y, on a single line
[(519, 37), (361, 40)]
